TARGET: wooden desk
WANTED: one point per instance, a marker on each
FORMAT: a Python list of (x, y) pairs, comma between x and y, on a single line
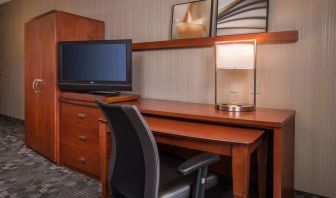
[(224, 140), (280, 125)]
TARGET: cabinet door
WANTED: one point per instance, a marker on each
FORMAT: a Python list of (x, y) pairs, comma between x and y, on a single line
[(32, 72), (40, 85)]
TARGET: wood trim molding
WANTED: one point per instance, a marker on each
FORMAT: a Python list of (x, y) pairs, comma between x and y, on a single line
[(262, 38)]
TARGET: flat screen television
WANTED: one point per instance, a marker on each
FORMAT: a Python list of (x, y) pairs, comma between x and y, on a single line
[(95, 66)]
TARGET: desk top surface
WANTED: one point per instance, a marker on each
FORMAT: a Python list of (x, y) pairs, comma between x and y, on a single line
[(262, 117), (207, 112)]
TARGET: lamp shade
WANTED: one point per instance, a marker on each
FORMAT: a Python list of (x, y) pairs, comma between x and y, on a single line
[(231, 55)]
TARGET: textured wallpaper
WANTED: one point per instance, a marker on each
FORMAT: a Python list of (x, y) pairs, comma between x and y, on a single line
[(299, 76)]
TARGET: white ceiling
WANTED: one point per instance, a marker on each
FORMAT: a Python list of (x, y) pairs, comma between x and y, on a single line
[(3, 1)]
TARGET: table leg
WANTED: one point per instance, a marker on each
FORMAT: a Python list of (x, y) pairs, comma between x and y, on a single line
[(240, 171), (262, 167), (283, 160), (103, 158)]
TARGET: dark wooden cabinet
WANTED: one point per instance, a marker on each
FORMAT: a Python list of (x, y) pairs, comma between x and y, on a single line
[(79, 143), (41, 92), (79, 131)]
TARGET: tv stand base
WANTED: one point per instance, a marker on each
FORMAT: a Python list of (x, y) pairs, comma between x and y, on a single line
[(105, 93), (91, 97)]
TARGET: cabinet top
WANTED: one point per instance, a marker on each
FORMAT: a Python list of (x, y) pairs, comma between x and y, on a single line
[(262, 117), (58, 12)]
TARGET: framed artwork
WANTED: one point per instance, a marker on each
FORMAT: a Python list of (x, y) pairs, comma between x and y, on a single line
[(241, 16), (191, 20)]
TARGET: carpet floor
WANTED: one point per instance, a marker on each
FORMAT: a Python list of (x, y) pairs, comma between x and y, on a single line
[(26, 174)]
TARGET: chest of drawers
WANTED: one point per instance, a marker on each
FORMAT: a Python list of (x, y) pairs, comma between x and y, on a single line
[(79, 131), (79, 144)]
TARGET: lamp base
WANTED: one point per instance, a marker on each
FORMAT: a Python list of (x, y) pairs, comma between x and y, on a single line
[(235, 107)]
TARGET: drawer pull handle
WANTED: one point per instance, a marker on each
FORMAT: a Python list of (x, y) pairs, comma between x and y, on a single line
[(81, 160), (82, 138), (81, 115)]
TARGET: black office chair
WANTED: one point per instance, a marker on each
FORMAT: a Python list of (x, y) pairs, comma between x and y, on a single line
[(135, 170)]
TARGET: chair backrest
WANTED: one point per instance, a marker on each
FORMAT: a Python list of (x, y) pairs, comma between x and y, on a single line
[(134, 166)]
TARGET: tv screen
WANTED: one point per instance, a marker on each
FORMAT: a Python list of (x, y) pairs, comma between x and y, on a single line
[(95, 65)]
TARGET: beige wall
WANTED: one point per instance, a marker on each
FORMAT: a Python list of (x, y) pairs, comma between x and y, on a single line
[(300, 76)]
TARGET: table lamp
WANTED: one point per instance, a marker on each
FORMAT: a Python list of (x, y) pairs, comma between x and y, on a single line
[(235, 75)]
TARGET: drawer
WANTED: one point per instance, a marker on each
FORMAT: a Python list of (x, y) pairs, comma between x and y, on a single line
[(83, 138), (78, 115), (86, 160)]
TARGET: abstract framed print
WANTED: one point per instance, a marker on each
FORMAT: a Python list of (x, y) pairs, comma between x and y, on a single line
[(241, 16), (191, 20)]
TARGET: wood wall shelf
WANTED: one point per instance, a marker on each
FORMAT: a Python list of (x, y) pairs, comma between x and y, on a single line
[(262, 38)]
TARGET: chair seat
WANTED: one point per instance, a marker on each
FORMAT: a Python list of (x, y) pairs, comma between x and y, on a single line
[(174, 185)]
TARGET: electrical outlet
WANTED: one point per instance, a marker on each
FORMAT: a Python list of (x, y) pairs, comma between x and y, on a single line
[(258, 87)]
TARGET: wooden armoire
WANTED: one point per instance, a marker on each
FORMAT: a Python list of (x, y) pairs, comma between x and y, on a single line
[(41, 36)]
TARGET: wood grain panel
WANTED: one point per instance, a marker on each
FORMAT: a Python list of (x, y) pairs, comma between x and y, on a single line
[(80, 116), (80, 137), (40, 129), (41, 92), (205, 112), (262, 38), (203, 131), (83, 159)]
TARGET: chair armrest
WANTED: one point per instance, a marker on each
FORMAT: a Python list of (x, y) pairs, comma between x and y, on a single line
[(197, 162)]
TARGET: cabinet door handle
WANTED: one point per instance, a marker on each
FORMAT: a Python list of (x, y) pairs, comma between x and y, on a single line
[(82, 138), (81, 115), (37, 88), (34, 85), (81, 160)]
